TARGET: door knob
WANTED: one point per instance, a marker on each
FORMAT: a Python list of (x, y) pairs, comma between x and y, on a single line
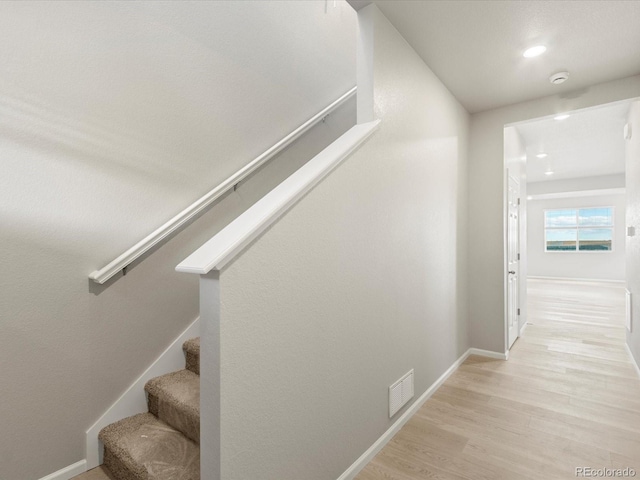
[(513, 272)]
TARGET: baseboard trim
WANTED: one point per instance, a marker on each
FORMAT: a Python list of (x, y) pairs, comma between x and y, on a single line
[(524, 327), (371, 452), (633, 359), (134, 400), (489, 353), (69, 472)]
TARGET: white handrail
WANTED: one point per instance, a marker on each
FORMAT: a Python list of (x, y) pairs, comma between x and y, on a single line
[(226, 244), (182, 218)]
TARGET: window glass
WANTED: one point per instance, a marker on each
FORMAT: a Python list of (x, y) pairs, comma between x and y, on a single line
[(561, 239), (595, 238), (560, 218), (594, 217), (579, 229)]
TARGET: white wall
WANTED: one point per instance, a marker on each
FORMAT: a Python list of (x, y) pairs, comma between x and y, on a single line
[(114, 116), (486, 194), (633, 219), (364, 279), (584, 265), (576, 184)]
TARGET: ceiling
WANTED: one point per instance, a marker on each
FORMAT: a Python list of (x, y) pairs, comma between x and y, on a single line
[(475, 47), (587, 144)]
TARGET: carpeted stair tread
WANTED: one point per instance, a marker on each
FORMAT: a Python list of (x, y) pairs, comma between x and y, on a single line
[(144, 448), (192, 352), (175, 399)]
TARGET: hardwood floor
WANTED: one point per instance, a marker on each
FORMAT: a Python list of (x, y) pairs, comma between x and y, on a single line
[(568, 397)]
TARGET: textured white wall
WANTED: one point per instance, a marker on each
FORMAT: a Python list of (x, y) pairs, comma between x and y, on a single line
[(486, 193), (633, 219), (113, 117), (588, 265), (364, 279)]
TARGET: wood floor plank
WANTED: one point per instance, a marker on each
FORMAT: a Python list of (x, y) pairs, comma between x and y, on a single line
[(567, 398)]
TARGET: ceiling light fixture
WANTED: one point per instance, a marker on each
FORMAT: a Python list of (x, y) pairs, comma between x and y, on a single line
[(548, 172), (534, 51), (541, 155), (564, 116)]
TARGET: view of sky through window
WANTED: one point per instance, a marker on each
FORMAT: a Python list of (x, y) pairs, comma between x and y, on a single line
[(584, 229)]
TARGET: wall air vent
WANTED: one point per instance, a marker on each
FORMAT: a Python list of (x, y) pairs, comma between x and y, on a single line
[(400, 393)]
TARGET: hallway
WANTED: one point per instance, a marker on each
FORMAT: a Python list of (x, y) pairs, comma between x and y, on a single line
[(568, 397)]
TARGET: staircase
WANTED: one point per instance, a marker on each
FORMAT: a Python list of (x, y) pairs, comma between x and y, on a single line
[(162, 444)]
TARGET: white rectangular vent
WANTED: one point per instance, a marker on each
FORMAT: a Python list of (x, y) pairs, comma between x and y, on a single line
[(629, 310), (400, 393)]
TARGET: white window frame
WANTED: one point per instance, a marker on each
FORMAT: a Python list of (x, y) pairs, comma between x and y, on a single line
[(577, 229)]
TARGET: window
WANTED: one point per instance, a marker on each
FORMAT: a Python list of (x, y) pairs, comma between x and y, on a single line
[(578, 229)]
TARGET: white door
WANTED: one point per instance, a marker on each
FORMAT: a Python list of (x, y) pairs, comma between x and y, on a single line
[(513, 248)]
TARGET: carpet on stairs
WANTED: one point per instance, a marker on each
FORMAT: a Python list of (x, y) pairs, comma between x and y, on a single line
[(162, 444)]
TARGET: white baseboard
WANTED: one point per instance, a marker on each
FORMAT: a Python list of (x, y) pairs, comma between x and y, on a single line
[(488, 353), (524, 327), (134, 400), (633, 360), (371, 452), (68, 472)]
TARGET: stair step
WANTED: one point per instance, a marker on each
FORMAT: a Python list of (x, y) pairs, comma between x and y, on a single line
[(143, 447), (175, 399), (192, 351)]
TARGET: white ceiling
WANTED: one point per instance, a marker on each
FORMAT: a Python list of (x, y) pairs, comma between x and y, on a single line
[(475, 46), (587, 144)]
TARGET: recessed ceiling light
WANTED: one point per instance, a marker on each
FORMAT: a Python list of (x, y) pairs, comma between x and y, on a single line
[(541, 155), (564, 116), (548, 172), (534, 51)]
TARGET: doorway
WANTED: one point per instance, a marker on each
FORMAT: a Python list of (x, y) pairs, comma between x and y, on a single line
[(569, 172)]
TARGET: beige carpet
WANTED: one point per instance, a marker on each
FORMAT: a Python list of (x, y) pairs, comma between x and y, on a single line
[(164, 443)]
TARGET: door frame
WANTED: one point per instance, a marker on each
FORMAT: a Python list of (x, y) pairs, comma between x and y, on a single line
[(516, 178), (516, 166)]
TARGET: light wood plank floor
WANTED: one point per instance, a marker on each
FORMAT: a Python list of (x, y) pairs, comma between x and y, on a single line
[(567, 397)]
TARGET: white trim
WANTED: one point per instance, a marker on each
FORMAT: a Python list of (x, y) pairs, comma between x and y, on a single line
[(232, 239), (489, 353), (570, 279), (379, 444), (186, 215), (69, 472), (364, 64), (133, 400), (633, 360), (628, 314), (524, 327), (578, 193)]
